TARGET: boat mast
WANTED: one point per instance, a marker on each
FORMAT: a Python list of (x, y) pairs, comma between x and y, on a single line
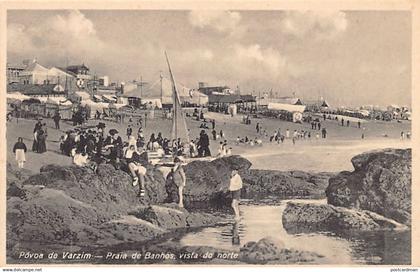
[(176, 106), (161, 86)]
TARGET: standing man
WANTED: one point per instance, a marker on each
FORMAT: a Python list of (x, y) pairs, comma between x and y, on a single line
[(358, 124), (213, 124), (57, 119), (348, 123), (214, 133), (129, 131), (235, 187), (324, 133), (204, 143), (342, 121)]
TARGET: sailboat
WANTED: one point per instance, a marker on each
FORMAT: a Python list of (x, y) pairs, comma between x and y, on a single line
[(179, 125)]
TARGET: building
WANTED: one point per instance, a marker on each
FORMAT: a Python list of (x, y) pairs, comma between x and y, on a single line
[(82, 74), (37, 90), (82, 71), (13, 72), (208, 90), (104, 81), (34, 73), (316, 105)]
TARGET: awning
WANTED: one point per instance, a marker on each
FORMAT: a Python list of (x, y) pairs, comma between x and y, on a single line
[(97, 97), (17, 96), (83, 95), (59, 101), (286, 107), (109, 98)]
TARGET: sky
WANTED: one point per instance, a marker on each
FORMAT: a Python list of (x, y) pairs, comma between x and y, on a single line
[(347, 57)]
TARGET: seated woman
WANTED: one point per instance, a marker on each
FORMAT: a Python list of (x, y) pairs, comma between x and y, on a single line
[(136, 162)]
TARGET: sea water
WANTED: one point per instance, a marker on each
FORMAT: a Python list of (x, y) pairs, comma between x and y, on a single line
[(259, 221)]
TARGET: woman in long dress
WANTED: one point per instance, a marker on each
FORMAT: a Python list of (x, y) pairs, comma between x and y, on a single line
[(42, 147), (20, 149), (35, 143)]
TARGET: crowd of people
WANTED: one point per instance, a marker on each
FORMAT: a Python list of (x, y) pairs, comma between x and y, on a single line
[(91, 146)]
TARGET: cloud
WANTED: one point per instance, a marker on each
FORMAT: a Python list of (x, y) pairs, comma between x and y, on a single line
[(319, 24), (219, 20), (70, 35), (253, 58)]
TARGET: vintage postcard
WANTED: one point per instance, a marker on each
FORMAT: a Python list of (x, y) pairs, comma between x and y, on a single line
[(206, 135)]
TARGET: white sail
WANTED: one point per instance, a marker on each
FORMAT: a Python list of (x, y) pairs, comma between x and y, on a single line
[(179, 125)]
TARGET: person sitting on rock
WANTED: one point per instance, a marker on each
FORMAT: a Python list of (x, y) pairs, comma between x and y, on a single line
[(135, 162), (81, 159), (235, 187)]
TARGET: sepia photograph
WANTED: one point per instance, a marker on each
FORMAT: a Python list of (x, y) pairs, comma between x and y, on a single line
[(208, 137)]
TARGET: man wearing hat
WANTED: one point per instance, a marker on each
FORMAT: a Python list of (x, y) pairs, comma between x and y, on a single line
[(114, 144)]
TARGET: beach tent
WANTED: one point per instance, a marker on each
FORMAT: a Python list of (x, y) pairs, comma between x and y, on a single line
[(296, 110), (97, 98), (162, 89), (156, 102), (60, 104), (109, 98), (286, 107), (83, 95), (94, 106)]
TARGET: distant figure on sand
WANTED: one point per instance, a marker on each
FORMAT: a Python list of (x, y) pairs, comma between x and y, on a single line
[(203, 143), (57, 119), (20, 149), (235, 187), (324, 133)]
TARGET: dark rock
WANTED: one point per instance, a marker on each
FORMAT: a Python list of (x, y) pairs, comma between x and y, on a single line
[(170, 216), (14, 190), (381, 182), (299, 217), (272, 251), (208, 181), (265, 183), (165, 217), (16, 175)]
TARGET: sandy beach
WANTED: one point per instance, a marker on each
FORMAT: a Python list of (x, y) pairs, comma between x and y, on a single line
[(331, 154)]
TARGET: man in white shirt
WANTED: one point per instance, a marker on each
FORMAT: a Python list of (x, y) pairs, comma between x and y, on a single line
[(235, 187)]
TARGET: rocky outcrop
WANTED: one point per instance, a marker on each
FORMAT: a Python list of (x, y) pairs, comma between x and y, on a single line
[(208, 181), (170, 216), (381, 182), (285, 184), (75, 206), (269, 250), (299, 217)]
